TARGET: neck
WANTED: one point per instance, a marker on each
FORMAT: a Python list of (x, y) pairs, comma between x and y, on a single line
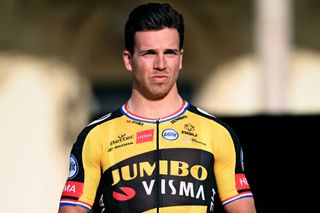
[(154, 109)]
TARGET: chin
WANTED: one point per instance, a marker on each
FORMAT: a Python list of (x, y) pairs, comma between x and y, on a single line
[(156, 95), (157, 92)]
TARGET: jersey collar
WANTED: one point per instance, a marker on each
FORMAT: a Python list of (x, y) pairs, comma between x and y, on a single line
[(125, 111)]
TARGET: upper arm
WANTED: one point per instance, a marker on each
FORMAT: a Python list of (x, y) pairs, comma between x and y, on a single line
[(84, 174), (228, 168), (72, 209), (244, 205)]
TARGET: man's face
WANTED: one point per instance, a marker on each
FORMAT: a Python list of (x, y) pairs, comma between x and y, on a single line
[(155, 63)]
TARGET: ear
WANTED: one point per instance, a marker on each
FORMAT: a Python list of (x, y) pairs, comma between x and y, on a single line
[(181, 57), (126, 57)]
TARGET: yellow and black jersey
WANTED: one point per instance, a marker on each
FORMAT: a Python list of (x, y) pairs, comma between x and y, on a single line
[(185, 162)]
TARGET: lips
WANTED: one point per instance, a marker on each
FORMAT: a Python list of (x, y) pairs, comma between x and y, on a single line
[(159, 78)]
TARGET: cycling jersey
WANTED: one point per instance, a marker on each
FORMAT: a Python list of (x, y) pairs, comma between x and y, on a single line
[(186, 162)]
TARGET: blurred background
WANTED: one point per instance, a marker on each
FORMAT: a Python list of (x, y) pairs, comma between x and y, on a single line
[(253, 63)]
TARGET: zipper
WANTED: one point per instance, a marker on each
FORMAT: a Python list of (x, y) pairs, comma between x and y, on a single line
[(158, 157)]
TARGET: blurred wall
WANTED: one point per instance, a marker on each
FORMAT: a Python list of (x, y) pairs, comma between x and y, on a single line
[(43, 104), (89, 35), (237, 87)]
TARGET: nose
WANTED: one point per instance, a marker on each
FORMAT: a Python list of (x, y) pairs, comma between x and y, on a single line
[(160, 62)]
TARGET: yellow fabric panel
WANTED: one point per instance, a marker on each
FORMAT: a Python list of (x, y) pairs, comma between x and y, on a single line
[(201, 129), (214, 138), (220, 143), (225, 160), (112, 130), (91, 156)]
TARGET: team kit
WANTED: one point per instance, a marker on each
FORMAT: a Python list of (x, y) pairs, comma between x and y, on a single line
[(123, 162)]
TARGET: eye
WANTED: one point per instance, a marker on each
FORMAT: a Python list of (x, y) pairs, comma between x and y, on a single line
[(148, 53), (171, 53)]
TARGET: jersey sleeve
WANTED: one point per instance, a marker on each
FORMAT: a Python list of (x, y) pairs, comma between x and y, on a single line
[(231, 180), (84, 170)]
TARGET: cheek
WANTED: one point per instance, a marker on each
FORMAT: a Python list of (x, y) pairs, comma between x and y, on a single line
[(177, 67), (139, 73), (143, 67), (176, 75)]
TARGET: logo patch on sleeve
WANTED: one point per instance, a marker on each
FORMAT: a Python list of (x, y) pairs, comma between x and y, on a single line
[(241, 182), (73, 189), (73, 167)]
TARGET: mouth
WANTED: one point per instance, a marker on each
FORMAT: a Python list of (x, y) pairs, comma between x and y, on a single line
[(159, 78)]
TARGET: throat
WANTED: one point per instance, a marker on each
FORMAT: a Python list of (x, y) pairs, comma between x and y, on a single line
[(155, 109)]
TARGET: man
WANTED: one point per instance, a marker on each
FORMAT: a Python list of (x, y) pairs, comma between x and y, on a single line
[(157, 153)]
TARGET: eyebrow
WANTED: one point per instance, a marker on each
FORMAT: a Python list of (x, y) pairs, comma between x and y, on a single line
[(172, 50), (147, 51), (154, 51)]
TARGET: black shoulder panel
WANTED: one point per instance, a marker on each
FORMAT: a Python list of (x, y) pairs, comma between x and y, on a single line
[(105, 118)]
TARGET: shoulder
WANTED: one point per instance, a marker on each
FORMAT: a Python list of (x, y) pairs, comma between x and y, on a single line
[(202, 113), (214, 120), (92, 127), (105, 118)]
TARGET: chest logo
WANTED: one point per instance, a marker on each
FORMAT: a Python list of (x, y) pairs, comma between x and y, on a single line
[(189, 127), (144, 136), (189, 130), (126, 193), (170, 134)]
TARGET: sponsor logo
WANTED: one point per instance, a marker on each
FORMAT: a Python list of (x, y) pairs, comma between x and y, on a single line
[(127, 193), (197, 141), (167, 186), (173, 187), (121, 138), (173, 168), (178, 119), (241, 182), (73, 189), (241, 159), (189, 133), (189, 127), (120, 142), (173, 178), (189, 130), (73, 167), (144, 136), (170, 134), (138, 123), (135, 122), (212, 200), (185, 139)]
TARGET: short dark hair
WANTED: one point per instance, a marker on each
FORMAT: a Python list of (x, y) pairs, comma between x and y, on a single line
[(152, 16)]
